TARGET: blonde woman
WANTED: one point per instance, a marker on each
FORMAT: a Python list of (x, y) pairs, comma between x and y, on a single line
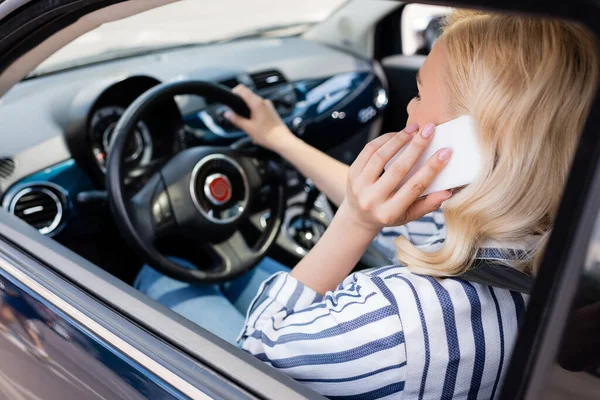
[(403, 330)]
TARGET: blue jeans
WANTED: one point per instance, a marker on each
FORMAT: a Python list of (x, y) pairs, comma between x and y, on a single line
[(218, 308)]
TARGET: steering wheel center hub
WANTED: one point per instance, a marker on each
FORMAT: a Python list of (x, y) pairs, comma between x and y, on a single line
[(219, 188)]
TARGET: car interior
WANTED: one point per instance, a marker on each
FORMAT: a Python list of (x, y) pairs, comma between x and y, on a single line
[(55, 178), (161, 79)]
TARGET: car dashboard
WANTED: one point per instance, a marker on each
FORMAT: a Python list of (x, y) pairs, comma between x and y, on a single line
[(58, 127)]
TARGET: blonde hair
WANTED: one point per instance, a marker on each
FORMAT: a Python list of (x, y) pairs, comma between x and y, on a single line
[(528, 83)]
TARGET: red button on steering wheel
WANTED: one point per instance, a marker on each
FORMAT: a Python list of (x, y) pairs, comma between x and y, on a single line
[(220, 189), (217, 189)]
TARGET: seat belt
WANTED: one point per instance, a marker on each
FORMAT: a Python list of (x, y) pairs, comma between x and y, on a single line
[(484, 271), (495, 274)]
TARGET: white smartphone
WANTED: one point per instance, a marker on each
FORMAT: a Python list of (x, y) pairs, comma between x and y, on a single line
[(465, 163)]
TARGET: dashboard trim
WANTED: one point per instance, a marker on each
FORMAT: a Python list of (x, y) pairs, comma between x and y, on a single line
[(56, 221), (62, 202)]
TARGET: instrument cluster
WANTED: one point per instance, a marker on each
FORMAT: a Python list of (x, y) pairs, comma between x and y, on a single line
[(139, 147)]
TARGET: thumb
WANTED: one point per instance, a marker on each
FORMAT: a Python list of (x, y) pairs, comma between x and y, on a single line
[(236, 119), (424, 206)]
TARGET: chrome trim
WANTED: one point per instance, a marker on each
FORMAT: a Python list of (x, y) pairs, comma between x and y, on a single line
[(33, 210), (94, 327), (209, 214), (264, 219), (298, 249), (11, 202), (211, 124), (208, 193), (139, 146), (145, 147), (295, 211), (215, 128), (381, 99)]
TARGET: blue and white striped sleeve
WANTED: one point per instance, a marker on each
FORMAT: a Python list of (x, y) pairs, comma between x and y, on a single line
[(332, 343)]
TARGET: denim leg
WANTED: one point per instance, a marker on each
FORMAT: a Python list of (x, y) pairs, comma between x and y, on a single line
[(242, 290), (204, 305)]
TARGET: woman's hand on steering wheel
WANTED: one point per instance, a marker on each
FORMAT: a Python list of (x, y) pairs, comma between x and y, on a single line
[(373, 199), (201, 194), (264, 126)]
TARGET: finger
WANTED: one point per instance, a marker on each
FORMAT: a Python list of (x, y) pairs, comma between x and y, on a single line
[(426, 205), (271, 106), (374, 167), (359, 164), (252, 99), (420, 181), (398, 170), (366, 153)]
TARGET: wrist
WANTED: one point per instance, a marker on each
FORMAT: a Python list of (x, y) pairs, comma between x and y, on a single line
[(354, 223), (323, 269), (282, 140)]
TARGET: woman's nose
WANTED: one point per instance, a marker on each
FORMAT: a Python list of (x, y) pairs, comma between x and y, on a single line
[(410, 106)]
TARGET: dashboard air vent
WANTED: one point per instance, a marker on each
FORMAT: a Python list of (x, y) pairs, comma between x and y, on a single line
[(7, 167), (39, 206), (265, 79)]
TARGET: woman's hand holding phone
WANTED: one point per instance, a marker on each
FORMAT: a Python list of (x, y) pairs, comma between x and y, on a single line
[(373, 199)]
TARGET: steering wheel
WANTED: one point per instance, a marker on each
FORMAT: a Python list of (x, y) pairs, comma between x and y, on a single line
[(201, 193)]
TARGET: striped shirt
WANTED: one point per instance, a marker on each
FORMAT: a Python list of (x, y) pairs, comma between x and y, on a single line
[(386, 332)]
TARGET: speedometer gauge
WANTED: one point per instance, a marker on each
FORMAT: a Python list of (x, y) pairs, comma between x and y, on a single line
[(138, 149)]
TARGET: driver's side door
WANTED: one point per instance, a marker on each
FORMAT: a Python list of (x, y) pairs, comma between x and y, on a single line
[(60, 343), (93, 336)]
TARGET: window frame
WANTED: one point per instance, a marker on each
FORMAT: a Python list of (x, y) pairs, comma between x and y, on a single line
[(201, 358), (539, 336)]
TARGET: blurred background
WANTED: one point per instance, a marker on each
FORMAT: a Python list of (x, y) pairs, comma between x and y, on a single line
[(203, 22)]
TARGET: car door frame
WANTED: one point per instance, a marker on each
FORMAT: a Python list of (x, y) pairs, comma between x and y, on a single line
[(155, 363), (138, 327)]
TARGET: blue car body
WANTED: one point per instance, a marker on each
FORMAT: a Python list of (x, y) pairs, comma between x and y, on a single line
[(78, 364)]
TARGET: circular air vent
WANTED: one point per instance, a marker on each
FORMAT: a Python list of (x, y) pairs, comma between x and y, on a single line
[(39, 206)]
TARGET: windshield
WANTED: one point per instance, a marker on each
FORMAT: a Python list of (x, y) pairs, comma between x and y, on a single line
[(189, 22)]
